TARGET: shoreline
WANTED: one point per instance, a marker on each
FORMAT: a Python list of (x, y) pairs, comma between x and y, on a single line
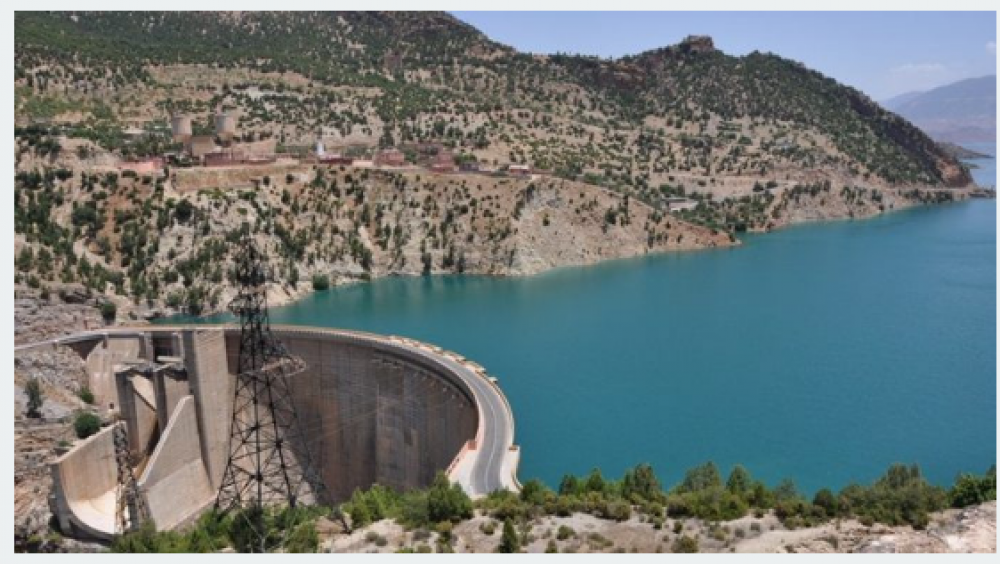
[(287, 298)]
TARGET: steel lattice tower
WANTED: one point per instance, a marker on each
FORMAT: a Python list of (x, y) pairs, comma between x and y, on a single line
[(268, 463)]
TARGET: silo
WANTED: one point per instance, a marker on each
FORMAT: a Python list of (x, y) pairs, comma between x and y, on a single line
[(181, 128), (225, 125)]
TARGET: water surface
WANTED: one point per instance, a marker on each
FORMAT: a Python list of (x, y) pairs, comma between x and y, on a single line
[(822, 353)]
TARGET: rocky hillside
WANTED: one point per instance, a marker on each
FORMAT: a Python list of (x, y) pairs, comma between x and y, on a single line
[(166, 243), (749, 143), (393, 77)]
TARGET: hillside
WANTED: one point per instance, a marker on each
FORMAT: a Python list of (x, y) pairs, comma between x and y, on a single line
[(963, 111), (676, 148)]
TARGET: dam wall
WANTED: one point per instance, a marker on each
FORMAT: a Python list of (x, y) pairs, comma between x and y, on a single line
[(371, 413), (175, 483), (83, 482), (370, 409)]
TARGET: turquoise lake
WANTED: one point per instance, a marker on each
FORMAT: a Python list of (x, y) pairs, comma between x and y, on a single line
[(821, 353)]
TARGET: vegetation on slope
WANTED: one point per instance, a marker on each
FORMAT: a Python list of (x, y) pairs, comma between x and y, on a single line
[(900, 497), (436, 78)]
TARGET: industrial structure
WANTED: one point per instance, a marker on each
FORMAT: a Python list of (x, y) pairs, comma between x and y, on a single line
[(373, 409), (269, 460)]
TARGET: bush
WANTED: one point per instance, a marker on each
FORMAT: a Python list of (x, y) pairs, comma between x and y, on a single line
[(109, 311), (320, 282), (86, 424), (447, 501), (900, 497), (685, 544), (972, 490), (641, 484), (33, 389), (510, 542), (86, 395), (565, 532)]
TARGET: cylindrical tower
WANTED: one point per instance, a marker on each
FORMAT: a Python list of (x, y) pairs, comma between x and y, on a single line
[(180, 125), (225, 125)]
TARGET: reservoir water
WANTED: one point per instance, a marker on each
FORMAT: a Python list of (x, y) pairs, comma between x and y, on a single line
[(822, 353)]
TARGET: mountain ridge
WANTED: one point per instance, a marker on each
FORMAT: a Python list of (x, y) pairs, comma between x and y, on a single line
[(393, 51), (962, 111)]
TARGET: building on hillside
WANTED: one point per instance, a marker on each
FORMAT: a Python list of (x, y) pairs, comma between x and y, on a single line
[(390, 157), (444, 161), (519, 170), (142, 166), (201, 145), (469, 165), (220, 159), (678, 204), (335, 159)]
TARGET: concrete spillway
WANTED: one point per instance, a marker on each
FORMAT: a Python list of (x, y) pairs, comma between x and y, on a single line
[(373, 409)]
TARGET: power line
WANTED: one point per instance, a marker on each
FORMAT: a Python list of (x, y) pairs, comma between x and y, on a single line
[(269, 463)]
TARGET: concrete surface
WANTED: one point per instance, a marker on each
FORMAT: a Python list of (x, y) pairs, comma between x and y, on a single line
[(371, 408)]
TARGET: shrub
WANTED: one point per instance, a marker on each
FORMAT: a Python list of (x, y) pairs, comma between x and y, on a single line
[(684, 544), (534, 492), (565, 532), (86, 424), (971, 490), (641, 484), (700, 478), (900, 497), (510, 542), (109, 311), (33, 389), (447, 501), (320, 282), (488, 528), (825, 499), (86, 395)]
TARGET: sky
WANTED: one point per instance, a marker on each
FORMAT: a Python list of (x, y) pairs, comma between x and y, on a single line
[(883, 54)]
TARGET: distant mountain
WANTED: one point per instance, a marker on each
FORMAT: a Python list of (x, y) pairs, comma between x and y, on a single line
[(961, 112), (897, 101)]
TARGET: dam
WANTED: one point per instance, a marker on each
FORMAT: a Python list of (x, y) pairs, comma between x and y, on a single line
[(371, 408)]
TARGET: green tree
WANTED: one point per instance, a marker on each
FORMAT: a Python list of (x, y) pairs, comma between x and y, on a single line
[(86, 395), (641, 483), (972, 490), (86, 424), (701, 478), (739, 482), (824, 498), (109, 311), (570, 485), (320, 282), (595, 482), (447, 501), (534, 492), (33, 389), (510, 542)]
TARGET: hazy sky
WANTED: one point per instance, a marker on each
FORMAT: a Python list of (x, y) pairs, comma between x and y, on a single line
[(881, 53)]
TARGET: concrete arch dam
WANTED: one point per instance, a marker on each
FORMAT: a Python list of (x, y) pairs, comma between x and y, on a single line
[(372, 409)]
